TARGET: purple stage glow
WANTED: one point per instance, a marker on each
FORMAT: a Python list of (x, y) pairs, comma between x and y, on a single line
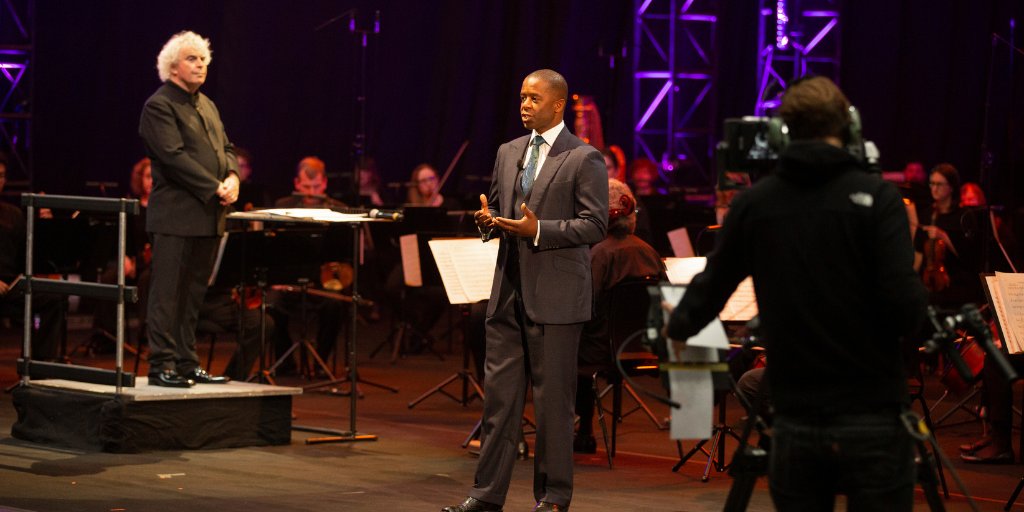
[(654, 105)]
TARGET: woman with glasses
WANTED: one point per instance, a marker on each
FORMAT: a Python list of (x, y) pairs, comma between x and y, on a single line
[(948, 258)]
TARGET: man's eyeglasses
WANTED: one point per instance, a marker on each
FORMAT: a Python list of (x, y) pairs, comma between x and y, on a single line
[(937, 184)]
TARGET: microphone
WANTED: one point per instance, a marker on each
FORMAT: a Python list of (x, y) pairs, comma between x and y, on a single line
[(519, 164), (394, 215)]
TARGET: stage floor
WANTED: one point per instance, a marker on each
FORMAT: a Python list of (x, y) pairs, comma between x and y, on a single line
[(416, 463)]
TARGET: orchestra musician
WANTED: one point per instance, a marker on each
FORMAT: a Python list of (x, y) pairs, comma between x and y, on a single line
[(620, 257), (949, 260), (50, 308), (195, 178)]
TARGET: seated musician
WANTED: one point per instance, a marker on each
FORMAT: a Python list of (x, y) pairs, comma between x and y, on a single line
[(425, 189), (138, 254), (949, 259), (310, 192), (49, 308), (619, 257), (310, 187), (251, 193), (418, 307)]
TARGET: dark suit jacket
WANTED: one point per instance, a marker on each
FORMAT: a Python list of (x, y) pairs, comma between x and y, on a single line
[(570, 197), (191, 156)]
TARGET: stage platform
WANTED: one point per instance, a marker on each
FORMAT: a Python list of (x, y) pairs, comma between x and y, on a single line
[(146, 418)]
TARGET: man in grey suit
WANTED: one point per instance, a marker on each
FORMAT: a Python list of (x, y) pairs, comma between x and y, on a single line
[(195, 177), (548, 204)]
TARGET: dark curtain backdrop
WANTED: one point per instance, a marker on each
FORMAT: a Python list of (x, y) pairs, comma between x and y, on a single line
[(443, 72)]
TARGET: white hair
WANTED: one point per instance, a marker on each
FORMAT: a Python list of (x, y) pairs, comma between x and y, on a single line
[(168, 56)]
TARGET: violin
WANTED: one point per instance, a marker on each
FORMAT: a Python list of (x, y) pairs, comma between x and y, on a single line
[(934, 275)]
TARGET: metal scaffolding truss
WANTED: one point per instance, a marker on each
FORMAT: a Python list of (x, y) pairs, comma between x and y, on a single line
[(675, 70), (16, 90), (796, 38)]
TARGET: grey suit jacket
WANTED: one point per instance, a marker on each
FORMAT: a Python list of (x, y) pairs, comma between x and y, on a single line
[(191, 155), (570, 198)]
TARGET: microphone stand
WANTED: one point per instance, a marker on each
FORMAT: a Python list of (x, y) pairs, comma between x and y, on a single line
[(359, 141)]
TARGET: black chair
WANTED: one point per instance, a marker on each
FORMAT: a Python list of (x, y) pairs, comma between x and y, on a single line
[(624, 309)]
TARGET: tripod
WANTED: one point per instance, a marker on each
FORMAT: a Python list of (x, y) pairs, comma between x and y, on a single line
[(401, 331), (750, 462), (464, 373), (350, 360), (303, 344), (716, 456)]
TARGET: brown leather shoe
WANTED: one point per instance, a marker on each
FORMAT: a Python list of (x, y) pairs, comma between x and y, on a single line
[(473, 505), (549, 507)]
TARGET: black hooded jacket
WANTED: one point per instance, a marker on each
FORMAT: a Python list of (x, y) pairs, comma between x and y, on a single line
[(829, 248)]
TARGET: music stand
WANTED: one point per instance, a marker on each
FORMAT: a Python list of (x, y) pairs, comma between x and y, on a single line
[(354, 222), (281, 254), (466, 267), (419, 272)]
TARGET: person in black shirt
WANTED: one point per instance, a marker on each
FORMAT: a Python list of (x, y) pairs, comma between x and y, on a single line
[(828, 246), (195, 178)]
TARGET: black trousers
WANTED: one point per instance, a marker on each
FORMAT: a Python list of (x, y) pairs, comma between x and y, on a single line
[(522, 353), (180, 272)]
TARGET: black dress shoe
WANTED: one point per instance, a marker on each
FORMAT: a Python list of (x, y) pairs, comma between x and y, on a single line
[(201, 376), (169, 379), (584, 444), (473, 505), (549, 507)]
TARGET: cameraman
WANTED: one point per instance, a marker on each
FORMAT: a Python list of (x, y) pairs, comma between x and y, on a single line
[(828, 246)]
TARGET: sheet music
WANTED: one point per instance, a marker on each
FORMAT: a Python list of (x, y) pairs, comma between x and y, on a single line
[(410, 249), (680, 241), (466, 266), (1009, 307), (470, 265), (742, 304), (314, 214), (682, 270)]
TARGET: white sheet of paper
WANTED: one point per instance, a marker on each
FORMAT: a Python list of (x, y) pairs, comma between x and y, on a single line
[(474, 263), (680, 241), (321, 214), (466, 266), (742, 304), (1011, 291), (712, 336), (682, 270), (693, 390), (410, 249)]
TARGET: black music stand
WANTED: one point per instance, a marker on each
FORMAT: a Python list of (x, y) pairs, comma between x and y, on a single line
[(460, 292), (276, 255), (335, 243), (355, 223), (430, 280)]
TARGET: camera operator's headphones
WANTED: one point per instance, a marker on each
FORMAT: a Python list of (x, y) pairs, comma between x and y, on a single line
[(628, 206), (778, 134)]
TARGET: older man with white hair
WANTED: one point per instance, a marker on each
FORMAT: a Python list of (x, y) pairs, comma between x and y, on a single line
[(195, 177)]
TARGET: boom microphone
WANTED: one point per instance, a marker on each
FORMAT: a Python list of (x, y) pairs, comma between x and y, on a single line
[(394, 215)]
